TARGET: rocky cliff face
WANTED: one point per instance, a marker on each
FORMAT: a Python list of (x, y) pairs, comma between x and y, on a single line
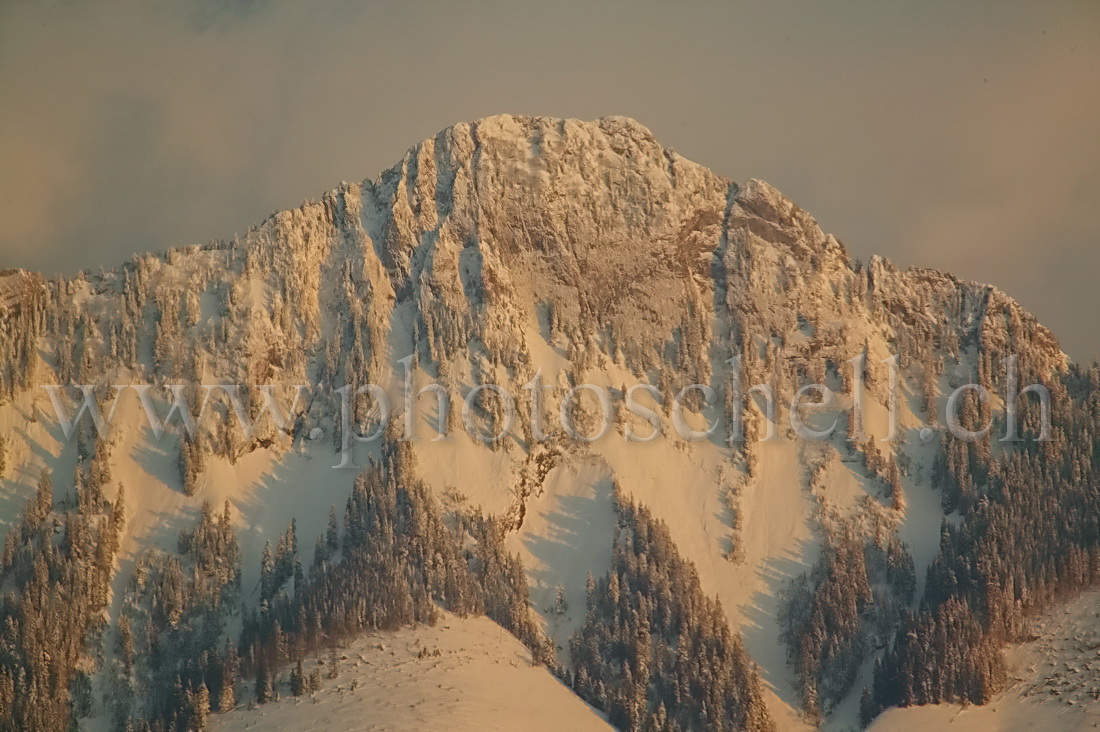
[(596, 238), (17, 288), (590, 234)]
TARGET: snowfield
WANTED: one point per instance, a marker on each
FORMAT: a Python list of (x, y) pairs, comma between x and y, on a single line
[(464, 674)]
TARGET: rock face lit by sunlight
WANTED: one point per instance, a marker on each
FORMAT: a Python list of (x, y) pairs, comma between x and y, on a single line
[(673, 557)]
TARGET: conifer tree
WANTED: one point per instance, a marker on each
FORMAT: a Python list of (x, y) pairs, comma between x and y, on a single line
[(263, 683), (298, 680), (200, 708)]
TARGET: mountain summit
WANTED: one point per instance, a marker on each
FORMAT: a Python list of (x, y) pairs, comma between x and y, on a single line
[(730, 578)]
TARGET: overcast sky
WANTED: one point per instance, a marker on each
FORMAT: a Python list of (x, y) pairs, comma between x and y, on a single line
[(958, 135)]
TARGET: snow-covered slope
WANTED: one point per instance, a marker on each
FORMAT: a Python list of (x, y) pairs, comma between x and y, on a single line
[(1054, 681), (462, 674)]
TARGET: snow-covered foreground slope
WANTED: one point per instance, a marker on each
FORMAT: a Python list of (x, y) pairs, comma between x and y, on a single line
[(462, 675), (1055, 682)]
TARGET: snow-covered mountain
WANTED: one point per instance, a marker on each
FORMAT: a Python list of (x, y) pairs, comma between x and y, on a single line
[(586, 253)]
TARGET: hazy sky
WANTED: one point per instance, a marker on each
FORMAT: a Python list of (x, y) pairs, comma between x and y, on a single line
[(958, 135)]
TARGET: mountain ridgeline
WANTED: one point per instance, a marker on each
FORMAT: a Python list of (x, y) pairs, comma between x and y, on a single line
[(495, 251)]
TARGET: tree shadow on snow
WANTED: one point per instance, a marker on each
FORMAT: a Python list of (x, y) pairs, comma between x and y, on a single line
[(761, 629)]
